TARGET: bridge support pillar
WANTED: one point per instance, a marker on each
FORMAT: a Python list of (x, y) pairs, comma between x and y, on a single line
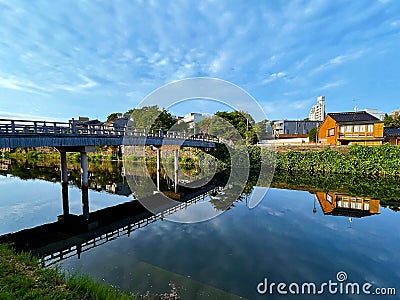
[(84, 169), (85, 184), (158, 167), (85, 202), (64, 183), (176, 170)]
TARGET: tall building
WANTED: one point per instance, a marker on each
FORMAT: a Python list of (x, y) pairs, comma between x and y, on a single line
[(317, 112)]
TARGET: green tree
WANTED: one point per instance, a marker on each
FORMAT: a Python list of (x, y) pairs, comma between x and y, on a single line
[(181, 127), (243, 123), (391, 121), (312, 134), (151, 118), (261, 129), (114, 116)]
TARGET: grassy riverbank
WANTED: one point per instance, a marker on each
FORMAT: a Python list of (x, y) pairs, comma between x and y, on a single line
[(360, 160), (381, 160), (188, 157), (353, 160), (21, 277)]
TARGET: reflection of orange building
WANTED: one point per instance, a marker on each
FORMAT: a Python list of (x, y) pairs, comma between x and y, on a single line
[(345, 205)]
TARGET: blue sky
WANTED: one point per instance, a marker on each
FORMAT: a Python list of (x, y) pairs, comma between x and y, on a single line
[(61, 59)]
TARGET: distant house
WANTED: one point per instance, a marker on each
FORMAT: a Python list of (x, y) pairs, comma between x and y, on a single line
[(392, 135), (337, 204), (351, 128), (118, 124), (293, 128), (83, 123)]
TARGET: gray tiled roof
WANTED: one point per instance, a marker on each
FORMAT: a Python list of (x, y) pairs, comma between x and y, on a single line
[(350, 117), (391, 132)]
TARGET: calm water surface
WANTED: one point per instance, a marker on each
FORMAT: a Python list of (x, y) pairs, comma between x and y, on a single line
[(283, 239)]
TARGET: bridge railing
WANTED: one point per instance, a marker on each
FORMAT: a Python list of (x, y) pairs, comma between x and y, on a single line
[(170, 134), (15, 127), (28, 127)]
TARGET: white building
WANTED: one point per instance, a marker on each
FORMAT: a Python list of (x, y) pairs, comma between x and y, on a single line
[(376, 113), (317, 112), (192, 118)]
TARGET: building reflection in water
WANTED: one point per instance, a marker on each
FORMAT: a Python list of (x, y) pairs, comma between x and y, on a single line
[(338, 204)]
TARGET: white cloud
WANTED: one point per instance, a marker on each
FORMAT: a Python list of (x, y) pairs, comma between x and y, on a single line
[(87, 84), (117, 50), (395, 23), (338, 60), (330, 85), (28, 116), (274, 76), (13, 83)]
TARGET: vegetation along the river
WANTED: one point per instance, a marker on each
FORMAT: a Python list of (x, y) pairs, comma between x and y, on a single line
[(23, 278)]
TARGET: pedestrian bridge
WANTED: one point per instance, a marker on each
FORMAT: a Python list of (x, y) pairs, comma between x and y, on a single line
[(30, 134)]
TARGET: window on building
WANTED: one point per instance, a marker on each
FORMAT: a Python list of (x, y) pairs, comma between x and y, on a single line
[(341, 129), (362, 130), (370, 127), (349, 128), (356, 128), (329, 198), (331, 132)]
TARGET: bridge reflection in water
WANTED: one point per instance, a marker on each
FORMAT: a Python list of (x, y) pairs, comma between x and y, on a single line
[(72, 235)]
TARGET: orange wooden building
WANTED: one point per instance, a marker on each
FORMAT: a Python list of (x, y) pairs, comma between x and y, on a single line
[(351, 128)]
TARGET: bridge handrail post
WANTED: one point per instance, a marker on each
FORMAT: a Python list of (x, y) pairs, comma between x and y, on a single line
[(55, 128), (35, 127), (13, 127), (73, 126), (46, 130)]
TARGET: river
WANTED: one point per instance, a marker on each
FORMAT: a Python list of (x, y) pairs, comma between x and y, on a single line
[(296, 235)]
